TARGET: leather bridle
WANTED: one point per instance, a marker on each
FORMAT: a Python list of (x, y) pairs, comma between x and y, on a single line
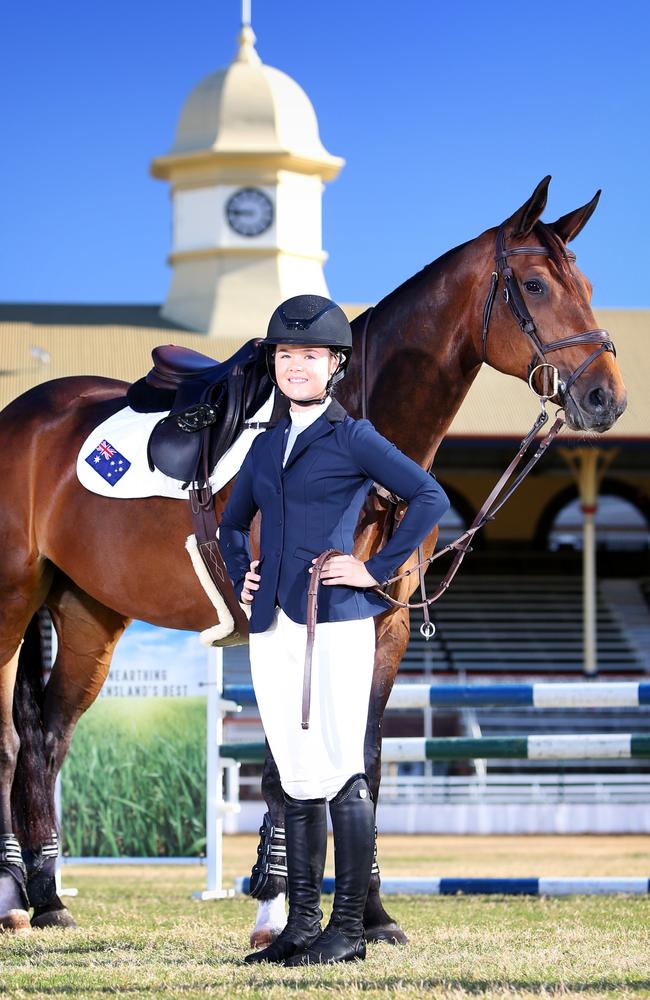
[(515, 300), (553, 387)]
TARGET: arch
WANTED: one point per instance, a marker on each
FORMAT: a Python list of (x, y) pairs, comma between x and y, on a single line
[(463, 509), (609, 486)]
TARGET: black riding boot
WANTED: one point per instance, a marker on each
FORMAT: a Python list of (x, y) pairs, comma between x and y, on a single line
[(305, 822), (353, 824)]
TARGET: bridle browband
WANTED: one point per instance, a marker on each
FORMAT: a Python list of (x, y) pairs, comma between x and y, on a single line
[(517, 305)]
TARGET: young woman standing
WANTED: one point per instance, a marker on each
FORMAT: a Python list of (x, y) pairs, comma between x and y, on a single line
[(309, 476)]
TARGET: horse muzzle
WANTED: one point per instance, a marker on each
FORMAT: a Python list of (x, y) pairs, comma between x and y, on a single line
[(596, 410)]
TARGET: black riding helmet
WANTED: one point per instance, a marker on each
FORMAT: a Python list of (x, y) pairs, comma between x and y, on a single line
[(315, 320)]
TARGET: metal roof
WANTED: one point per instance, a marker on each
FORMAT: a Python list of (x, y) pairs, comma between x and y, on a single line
[(41, 341)]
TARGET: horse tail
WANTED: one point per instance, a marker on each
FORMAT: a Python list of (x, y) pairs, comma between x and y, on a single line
[(32, 793)]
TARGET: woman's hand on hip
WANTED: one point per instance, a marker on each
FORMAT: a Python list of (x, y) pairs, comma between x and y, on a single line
[(346, 570), (251, 583)]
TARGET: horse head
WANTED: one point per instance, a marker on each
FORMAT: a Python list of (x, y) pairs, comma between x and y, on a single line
[(538, 323)]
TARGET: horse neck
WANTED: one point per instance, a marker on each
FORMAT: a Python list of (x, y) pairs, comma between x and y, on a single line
[(422, 354)]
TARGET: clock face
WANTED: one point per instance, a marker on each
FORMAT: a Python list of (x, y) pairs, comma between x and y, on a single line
[(249, 212)]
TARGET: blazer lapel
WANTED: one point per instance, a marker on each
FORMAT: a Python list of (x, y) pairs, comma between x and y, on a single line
[(277, 442), (305, 438)]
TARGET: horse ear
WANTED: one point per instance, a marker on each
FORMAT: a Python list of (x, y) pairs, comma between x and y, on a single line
[(568, 226), (523, 220)]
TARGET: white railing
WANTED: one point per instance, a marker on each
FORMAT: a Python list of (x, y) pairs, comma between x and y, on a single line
[(516, 788), (497, 788)]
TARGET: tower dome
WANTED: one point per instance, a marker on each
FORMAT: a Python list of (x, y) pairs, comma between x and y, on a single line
[(247, 171), (249, 108)]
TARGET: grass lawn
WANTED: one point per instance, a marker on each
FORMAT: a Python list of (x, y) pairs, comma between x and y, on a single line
[(142, 936)]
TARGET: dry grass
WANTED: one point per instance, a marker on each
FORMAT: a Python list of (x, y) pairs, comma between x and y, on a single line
[(142, 936)]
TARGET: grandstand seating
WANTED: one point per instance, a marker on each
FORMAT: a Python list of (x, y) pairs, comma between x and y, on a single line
[(498, 625)]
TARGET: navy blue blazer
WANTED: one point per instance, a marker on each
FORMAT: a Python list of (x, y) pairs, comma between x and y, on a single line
[(313, 504)]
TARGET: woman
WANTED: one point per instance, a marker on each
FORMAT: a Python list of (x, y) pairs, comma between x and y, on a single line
[(309, 476)]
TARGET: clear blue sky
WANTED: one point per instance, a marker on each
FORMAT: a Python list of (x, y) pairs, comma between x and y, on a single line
[(446, 113)]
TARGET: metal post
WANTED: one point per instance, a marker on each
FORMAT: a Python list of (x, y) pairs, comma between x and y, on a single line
[(51, 646), (232, 804), (589, 617), (589, 466), (61, 891), (215, 803)]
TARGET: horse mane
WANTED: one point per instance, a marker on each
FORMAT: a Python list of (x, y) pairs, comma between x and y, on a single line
[(420, 275), (546, 235)]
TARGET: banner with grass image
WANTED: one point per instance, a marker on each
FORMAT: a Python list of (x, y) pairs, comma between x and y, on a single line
[(134, 782)]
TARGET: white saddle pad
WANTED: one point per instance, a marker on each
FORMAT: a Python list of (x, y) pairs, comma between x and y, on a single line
[(113, 459)]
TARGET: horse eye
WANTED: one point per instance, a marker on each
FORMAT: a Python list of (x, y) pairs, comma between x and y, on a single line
[(534, 286)]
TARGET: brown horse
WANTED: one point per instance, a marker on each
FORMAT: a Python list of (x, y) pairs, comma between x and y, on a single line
[(97, 563)]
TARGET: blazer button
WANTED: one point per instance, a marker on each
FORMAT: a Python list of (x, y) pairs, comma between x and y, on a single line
[(277, 489), (278, 552)]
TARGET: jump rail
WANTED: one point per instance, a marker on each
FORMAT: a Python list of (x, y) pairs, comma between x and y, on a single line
[(596, 694), (587, 746), (225, 758), (499, 886)]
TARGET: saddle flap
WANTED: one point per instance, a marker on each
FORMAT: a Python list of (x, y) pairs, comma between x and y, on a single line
[(208, 410)]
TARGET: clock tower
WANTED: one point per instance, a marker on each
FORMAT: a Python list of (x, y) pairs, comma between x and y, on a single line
[(247, 171)]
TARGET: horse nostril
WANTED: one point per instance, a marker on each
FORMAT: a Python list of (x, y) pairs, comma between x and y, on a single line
[(598, 398)]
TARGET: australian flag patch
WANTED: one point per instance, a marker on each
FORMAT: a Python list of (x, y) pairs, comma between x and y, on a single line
[(108, 462)]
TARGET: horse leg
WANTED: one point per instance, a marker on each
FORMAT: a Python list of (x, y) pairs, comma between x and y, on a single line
[(87, 633), (21, 593), (392, 640), (271, 915), (13, 892)]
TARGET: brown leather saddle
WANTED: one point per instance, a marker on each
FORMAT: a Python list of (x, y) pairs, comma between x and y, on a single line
[(209, 403)]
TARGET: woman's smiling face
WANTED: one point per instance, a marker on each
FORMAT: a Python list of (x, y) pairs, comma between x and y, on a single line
[(302, 371)]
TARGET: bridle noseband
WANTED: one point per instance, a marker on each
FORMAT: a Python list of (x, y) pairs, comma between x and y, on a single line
[(553, 384)]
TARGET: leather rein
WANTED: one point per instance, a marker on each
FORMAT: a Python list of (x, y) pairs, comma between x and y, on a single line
[(552, 387)]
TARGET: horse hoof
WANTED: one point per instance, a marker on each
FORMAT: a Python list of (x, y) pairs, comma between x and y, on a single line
[(391, 933), (16, 922), (54, 918), (263, 938)]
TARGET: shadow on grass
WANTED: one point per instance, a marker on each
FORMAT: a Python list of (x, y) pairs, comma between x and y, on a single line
[(302, 984), (460, 984)]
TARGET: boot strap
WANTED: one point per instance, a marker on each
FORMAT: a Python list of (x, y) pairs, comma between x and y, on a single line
[(10, 852), (271, 856)]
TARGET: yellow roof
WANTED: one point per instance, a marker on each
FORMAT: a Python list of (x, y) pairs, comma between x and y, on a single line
[(40, 342), (501, 406)]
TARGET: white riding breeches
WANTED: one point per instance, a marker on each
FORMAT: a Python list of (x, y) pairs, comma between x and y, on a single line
[(314, 763)]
